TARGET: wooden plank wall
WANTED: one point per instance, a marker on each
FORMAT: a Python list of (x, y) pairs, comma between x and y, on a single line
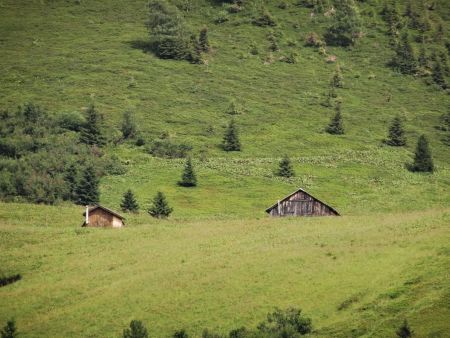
[(301, 204)]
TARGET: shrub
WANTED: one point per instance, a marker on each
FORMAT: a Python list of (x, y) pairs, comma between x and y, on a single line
[(9, 330), (286, 323), (71, 121), (423, 161), (128, 127), (203, 40), (129, 203), (221, 17), (337, 80), (10, 279), (346, 25), (160, 208), (265, 20), (404, 330), (313, 40), (181, 334), (136, 330), (285, 167), (165, 148)]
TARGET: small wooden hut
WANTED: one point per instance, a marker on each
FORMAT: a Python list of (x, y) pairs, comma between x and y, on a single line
[(301, 203), (98, 216)]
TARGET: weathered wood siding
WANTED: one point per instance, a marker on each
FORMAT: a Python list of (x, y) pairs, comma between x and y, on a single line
[(301, 204), (101, 218)]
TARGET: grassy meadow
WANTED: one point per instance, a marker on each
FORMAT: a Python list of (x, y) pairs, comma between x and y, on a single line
[(219, 262)]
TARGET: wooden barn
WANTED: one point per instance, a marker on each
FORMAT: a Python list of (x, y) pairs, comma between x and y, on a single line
[(98, 216), (301, 203)]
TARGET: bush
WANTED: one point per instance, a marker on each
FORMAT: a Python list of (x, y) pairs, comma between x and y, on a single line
[(404, 330), (265, 20), (285, 168), (71, 121), (286, 323), (166, 149), (313, 40), (221, 17), (136, 330), (10, 330), (10, 279), (346, 25)]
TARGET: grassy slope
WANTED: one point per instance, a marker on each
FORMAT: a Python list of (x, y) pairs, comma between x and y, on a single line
[(63, 56), (223, 274)]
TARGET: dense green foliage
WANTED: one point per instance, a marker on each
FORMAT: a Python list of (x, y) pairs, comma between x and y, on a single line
[(128, 128), (136, 330), (10, 330), (346, 25), (231, 140), (423, 161), (160, 207), (396, 136), (285, 168), (404, 331), (87, 191), (129, 203), (336, 127), (91, 133), (188, 178)]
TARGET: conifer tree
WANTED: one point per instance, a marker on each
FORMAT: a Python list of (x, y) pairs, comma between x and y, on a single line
[(188, 178), (136, 330), (181, 334), (335, 127), (396, 136), (346, 25), (423, 161), (203, 40), (87, 190), (285, 167), (231, 138), (404, 331), (91, 133), (438, 76), (71, 179), (423, 60), (128, 126), (337, 80), (160, 208), (129, 203), (404, 60), (9, 330)]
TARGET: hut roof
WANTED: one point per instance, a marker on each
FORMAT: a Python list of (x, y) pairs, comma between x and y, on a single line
[(105, 209), (296, 191)]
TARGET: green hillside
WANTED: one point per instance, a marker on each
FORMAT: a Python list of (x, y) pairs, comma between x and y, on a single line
[(217, 262)]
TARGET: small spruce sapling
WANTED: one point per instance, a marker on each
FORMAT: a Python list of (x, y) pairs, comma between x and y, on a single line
[(128, 127), (285, 168), (188, 178), (203, 40), (423, 161), (337, 81), (335, 127), (129, 203), (231, 138), (404, 331), (181, 334), (91, 132), (396, 136), (136, 330), (9, 330), (160, 208), (438, 76), (87, 190)]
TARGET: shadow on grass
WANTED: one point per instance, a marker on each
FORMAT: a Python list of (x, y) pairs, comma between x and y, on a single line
[(142, 45)]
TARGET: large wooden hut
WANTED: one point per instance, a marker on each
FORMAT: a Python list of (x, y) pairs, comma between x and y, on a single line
[(98, 216), (301, 203)]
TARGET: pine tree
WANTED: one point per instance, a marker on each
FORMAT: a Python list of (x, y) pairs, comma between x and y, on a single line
[(203, 40), (128, 126), (404, 60), (337, 80), (160, 208), (438, 76), (71, 179), (346, 26), (335, 127), (285, 168), (9, 330), (404, 331), (129, 203), (396, 135), (188, 179), (87, 189), (136, 330), (423, 161), (423, 60), (231, 138), (91, 133)]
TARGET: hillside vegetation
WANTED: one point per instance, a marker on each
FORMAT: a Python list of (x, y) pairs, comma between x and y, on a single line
[(218, 262)]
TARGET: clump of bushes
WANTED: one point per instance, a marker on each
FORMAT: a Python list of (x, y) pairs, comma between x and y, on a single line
[(167, 149), (265, 20), (314, 40), (10, 279)]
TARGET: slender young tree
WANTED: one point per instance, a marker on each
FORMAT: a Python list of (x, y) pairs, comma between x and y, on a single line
[(335, 127), (9, 330), (128, 127), (396, 136), (404, 331), (160, 208), (231, 138), (71, 179), (129, 203), (438, 76), (423, 161), (404, 60), (87, 190), (203, 40), (188, 178), (136, 330), (285, 168), (337, 81), (91, 132)]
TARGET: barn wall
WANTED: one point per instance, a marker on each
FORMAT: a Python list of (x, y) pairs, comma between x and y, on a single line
[(117, 222), (301, 204), (100, 218)]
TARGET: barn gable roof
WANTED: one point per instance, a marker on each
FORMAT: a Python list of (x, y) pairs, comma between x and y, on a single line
[(109, 211), (296, 191)]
